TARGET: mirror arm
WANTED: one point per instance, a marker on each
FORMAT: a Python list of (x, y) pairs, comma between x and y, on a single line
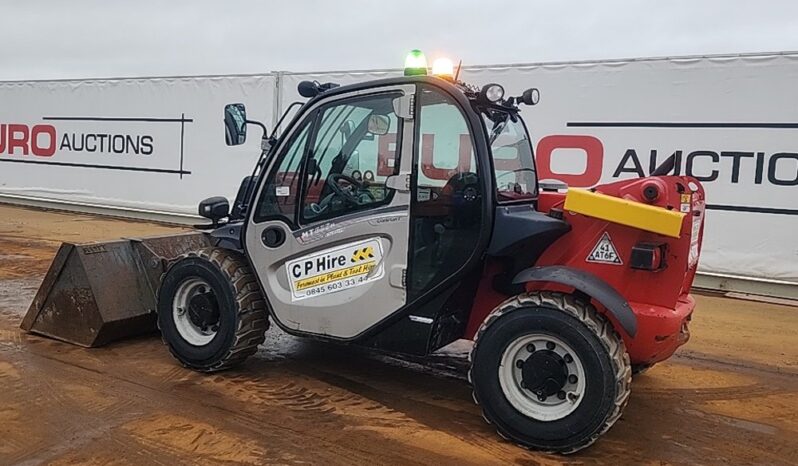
[(261, 125), (258, 168), (285, 114)]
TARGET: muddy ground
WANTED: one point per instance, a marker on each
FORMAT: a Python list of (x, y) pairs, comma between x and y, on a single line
[(729, 397)]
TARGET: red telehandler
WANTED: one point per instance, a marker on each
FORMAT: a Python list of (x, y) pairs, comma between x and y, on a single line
[(404, 214)]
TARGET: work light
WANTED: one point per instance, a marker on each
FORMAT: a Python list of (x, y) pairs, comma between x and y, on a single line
[(492, 92), (443, 67), (415, 63)]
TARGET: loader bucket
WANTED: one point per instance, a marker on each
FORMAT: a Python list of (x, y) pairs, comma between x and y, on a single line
[(96, 293)]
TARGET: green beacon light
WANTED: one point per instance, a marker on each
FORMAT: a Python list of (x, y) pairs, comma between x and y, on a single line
[(415, 63)]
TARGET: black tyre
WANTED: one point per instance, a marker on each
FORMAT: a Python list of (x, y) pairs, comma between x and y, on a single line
[(211, 313), (550, 372)]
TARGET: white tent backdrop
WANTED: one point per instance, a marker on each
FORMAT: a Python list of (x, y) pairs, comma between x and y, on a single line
[(732, 120), (152, 144)]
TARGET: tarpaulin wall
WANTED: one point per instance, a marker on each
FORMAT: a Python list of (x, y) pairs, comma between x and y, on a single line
[(732, 121), (140, 145)]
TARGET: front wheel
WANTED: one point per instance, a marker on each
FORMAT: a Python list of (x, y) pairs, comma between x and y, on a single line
[(550, 372), (210, 310)]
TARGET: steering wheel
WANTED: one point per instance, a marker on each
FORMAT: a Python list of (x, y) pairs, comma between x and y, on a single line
[(348, 195)]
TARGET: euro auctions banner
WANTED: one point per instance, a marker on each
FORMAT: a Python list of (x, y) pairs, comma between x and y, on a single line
[(731, 122), (158, 143), (143, 144)]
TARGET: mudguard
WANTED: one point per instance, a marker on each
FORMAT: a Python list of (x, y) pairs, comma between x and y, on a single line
[(588, 284)]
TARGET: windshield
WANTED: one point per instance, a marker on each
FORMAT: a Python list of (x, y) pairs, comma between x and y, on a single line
[(513, 161)]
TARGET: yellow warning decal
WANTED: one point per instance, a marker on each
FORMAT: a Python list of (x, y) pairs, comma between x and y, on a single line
[(622, 211), (686, 199)]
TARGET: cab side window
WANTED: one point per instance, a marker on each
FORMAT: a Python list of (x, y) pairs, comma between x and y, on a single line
[(447, 201), (281, 191), (353, 152)]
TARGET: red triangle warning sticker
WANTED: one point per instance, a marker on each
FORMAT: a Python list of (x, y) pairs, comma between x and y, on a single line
[(604, 252)]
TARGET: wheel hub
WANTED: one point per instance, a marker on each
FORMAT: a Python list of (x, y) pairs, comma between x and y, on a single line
[(544, 373), (195, 311), (203, 310), (542, 376)]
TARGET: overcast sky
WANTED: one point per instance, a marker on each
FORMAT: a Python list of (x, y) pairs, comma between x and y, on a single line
[(43, 39)]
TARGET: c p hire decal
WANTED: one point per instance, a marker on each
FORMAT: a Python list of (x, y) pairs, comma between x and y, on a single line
[(336, 269)]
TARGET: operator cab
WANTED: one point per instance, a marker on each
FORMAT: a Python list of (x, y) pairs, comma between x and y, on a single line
[(347, 187), (404, 175)]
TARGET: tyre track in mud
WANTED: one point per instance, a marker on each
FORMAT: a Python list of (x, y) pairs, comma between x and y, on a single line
[(251, 419), (689, 423), (319, 392), (311, 393), (45, 451), (687, 355), (377, 388)]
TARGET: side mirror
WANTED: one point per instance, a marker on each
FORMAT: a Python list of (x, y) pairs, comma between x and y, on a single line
[(214, 208), (531, 96), (379, 124), (235, 124)]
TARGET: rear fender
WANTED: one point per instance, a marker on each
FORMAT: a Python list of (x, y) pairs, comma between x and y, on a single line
[(588, 284)]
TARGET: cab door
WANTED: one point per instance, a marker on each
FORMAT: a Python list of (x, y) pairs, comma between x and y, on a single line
[(328, 234)]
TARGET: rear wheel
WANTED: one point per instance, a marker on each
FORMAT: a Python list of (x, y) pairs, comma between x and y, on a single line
[(550, 372), (210, 310)]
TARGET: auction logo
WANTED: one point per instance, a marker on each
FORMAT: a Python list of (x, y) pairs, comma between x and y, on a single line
[(775, 168), (38, 140), (41, 140), (44, 140), (114, 143)]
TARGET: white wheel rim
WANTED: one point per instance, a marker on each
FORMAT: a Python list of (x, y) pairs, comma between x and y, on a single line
[(529, 403), (187, 329)]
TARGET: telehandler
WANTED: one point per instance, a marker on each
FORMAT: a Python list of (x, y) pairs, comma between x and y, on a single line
[(403, 214)]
